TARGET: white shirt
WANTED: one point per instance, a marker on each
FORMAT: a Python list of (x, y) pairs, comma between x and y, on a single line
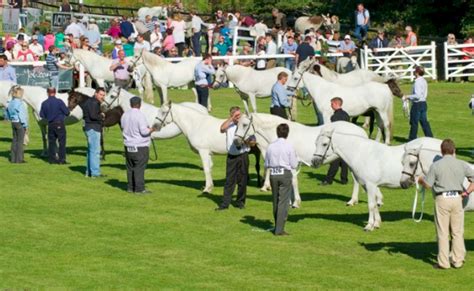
[(271, 48), (178, 30), (74, 29), (37, 49), (231, 148), (281, 154), (155, 39), (144, 45), (196, 23), (419, 91)]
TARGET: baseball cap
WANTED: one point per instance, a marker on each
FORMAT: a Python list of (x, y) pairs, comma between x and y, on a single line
[(347, 36), (118, 41), (34, 37)]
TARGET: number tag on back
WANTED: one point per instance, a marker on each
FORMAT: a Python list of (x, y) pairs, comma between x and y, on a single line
[(132, 149), (276, 171)]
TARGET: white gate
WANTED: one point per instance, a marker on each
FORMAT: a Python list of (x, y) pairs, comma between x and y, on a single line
[(458, 63), (401, 62)]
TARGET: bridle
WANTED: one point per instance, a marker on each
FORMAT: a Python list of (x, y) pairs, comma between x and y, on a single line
[(242, 137), (163, 121), (134, 62), (418, 161), (301, 75), (115, 98), (219, 83), (323, 156)]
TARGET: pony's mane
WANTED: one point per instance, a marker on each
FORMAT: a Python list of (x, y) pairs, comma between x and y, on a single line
[(153, 59), (85, 54), (326, 71), (80, 97)]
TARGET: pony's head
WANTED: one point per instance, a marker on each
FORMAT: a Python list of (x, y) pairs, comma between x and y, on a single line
[(112, 99), (245, 131), (164, 116), (220, 76), (393, 85), (75, 98), (324, 150), (295, 80), (112, 117), (410, 166)]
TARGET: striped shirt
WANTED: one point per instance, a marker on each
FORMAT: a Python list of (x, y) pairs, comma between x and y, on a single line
[(52, 64)]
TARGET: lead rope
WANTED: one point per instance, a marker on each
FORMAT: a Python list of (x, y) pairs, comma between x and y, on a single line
[(415, 202), (154, 151)]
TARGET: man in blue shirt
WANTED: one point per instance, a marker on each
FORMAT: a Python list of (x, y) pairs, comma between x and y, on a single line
[(304, 51), (7, 73), (53, 66), (289, 48), (362, 18), (126, 27), (280, 96), (55, 111), (201, 72)]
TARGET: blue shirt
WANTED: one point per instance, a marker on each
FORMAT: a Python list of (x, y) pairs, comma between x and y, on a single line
[(419, 91), (16, 112), (200, 73), (126, 28), (289, 48), (8, 73), (52, 64), (280, 96), (53, 110), (361, 16)]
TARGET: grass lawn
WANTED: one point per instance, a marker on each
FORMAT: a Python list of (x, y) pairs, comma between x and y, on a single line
[(59, 229)]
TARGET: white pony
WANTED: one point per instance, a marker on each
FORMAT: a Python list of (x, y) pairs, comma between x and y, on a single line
[(304, 23), (357, 100), (249, 83), (34, 96), (263, 126), (166, 74), (373, 164), (158, 11), (99, 69), (416, 161)]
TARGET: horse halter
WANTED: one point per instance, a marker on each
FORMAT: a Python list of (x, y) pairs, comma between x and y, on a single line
[(323, 156), (301, 76), (134, 62), (162, 122), (242, 137), (109, 104), (418, 161)]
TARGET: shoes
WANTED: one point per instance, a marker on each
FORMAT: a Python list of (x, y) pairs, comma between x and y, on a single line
[(344, 182), (283, 233), (99, 176), (438, 267), (458, 266), (129, 191), (64, 163), (239, 205), (325, 183), (220, 208), (144, 192)]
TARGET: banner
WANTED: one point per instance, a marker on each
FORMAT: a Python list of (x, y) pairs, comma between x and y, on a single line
[(39, 76), (60, 20), (11, 20), (33, 17)]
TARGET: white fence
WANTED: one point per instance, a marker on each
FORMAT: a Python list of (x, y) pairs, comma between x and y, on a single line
[(458, 63), (401, 62)]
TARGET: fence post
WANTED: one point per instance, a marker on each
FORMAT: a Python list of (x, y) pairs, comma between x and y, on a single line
[(82, 76), (366, 57), (433, 60), (446, 58)]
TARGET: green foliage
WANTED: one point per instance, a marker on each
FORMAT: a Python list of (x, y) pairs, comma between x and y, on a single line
[(61, 230)]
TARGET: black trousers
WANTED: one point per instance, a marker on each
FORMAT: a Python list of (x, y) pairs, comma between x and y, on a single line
[(333, 171), (57, 136), (281, 190), (180, 47), (136, 164), (237, 171), (203, 95), (196, 41), (16, 153), (279, 111)]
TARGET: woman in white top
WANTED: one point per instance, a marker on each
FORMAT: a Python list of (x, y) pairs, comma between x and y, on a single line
[(179, 27), (156, 38)]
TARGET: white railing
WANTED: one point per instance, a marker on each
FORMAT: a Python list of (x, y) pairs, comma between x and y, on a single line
[(401, 62), (458, 63)]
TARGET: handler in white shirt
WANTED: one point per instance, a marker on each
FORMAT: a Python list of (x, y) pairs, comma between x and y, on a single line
[(280, 159)]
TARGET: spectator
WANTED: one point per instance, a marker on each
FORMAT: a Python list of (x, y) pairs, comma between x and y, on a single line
[(221, 46), (9, 52), (347, 47), (85, 44), (39, 36), (150, 26), (179, 27), (128, 48), (201, 71), (17, 113), (451, 40), (118, 47), (220, 18), (289, 32), (271, 49), (187, 52), (173, 53), (93, 25), (140, 28), (142, 44), (120, 68), (157, 51), (53, 66), (379, 42), (246, 50), (7, 73), (233, 22), (197, 24), (65, 7), (168, 42), (335, 24), (469, 54), (93, 35), (261, 49), (71, 42), (56, 40), (74, 29), (25, 54), (23, 35), (290, 47), (362, 18), (114, 30), (36, 47), (411, 39), (304, 51), (126, 27), (156, 38), (397, 42), (260, 29), (18, 45), (247, 20), (279, 19)]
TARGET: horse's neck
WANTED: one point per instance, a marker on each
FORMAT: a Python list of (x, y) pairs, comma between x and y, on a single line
[(266, 123), (90, 59), (236, 73), (151, 59), (319, 84), (186, 118), (350, 147)]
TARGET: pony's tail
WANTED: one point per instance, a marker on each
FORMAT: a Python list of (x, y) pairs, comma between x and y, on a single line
[(394, 88), (390, 119), (148, 84)]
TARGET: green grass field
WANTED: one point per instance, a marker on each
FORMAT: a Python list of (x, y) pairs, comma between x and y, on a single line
[(59, 229)]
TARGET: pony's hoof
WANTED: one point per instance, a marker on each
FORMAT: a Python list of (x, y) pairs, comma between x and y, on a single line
[(352, 203), (296, 205), (377, 224), (207, 190), (265, 189), (369, 227)]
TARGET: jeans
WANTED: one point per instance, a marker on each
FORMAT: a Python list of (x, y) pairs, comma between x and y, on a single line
[(54, 82), (93, 153), (203, 95), (361, 31), (196, 41), (418, 113), (290, 64)]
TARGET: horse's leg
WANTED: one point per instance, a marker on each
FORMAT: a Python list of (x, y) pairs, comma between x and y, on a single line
[(296, 192), (380, 125), (164, 91), (379, 197), (253, 102), (246, 106), (257, 153), (372, 205), (207, 166), (355, 192), (266, 183), (377, 217), (385, 126), (366, 122), (195, 94), (294, 108), (44, 132), (149, 88)]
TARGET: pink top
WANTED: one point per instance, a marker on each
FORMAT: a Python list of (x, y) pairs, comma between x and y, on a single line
[(26, 56), (114, 31), (168, 42), (48, 41)]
